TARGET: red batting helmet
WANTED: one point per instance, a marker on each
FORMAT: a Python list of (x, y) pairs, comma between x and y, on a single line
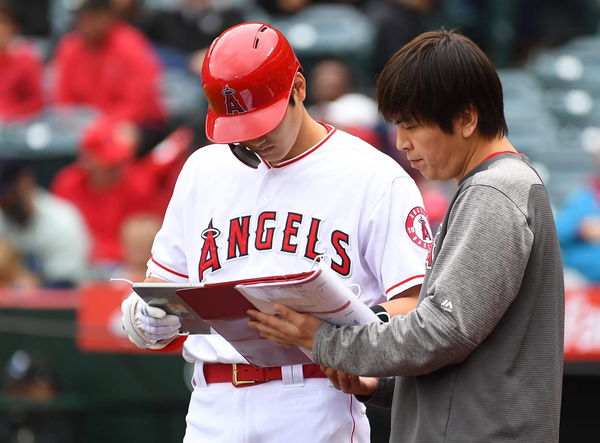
[(247, 75)]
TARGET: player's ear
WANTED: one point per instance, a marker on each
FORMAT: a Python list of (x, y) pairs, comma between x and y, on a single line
[(299, 88), (467, 121)]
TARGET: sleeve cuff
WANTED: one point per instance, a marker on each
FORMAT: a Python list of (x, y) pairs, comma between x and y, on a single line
[(382, 397), (404, 285), (165, 273), (175, 345)]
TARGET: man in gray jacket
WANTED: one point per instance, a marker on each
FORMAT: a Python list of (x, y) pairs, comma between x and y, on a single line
[(480, 358)]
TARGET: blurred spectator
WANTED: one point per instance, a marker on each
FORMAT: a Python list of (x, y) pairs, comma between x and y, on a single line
[(127, 11), (397, 22), (335, 101), (20, 71), (191, 27), (137, 236), (30, 376), (33, 16), (163, 163), (112, 66), (48, 232), (550, 23), (107, 187), (281, 8), (330, 79), (578, 225), (13, 273)]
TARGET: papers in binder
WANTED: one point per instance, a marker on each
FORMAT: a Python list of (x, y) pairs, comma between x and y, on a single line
[(223, 307), (320, 293)]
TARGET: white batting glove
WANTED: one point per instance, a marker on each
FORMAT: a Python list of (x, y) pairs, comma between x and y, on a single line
[(148, 326)]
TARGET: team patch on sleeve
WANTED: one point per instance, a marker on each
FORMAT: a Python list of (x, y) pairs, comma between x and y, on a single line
[(417, 228)]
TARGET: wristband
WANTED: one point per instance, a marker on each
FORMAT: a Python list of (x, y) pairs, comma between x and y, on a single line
[(380, 311)]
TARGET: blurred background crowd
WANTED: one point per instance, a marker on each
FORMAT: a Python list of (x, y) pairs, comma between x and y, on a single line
[(101, 103)]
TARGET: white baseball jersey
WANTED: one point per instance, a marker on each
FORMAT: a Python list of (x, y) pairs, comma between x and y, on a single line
[(342, 198)]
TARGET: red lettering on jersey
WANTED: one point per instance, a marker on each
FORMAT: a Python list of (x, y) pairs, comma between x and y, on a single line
[(292, 225), (232, 104), (239, 233), (337, 238), (313, 238), (267, 242), (209, 257)]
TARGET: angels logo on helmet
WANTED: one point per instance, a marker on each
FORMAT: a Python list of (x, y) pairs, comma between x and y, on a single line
[(232, 104)]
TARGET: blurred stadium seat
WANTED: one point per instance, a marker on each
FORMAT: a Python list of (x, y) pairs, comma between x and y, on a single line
[(548, 106), (54, 132), (47, 141), (531, 127), (574, 106), (183, 95), (61, 16), (328, 29), (322, 30), (568, 68), (583, 43)]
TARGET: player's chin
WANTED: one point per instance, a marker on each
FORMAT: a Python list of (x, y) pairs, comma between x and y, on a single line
[(428, 173), (268, 154)]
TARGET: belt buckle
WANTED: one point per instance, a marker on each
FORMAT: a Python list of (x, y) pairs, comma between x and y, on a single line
[(234, 378)]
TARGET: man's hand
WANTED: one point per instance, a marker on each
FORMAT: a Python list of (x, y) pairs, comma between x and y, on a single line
[(351, 384), (287, 327), (146, 325)]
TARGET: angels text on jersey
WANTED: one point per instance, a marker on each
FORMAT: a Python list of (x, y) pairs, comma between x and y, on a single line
[(288, 233)]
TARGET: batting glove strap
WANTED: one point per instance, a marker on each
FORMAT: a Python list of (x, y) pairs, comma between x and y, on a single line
[(148, 326)]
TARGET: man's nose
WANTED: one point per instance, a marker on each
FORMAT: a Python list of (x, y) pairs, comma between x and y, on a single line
[(402, 142)]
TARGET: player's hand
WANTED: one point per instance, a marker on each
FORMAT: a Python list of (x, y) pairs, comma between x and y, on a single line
[(351, 384), (288, 327), (147, 326)]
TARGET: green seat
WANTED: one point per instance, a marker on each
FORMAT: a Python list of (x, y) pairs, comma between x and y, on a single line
[(48, 141), (325, 30), (574, 107), (55, 132), (566, 68), (183, 95), (328, 29)]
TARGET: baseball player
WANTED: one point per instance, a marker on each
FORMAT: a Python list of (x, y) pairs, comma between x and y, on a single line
[(480, 359), (293, 189)]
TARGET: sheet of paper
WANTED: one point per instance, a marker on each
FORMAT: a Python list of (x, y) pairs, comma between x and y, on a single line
[(322, 294)]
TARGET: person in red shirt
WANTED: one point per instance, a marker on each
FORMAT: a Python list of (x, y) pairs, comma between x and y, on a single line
[(111, 66), (109, 184), (107, 187), (20, 72)]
